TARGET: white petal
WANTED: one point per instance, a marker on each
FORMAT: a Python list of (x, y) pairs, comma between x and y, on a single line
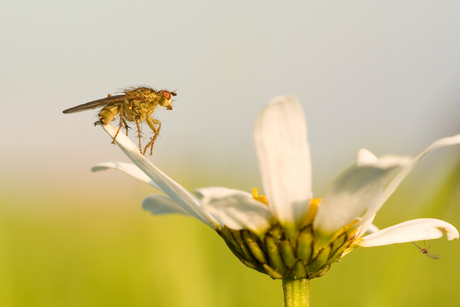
[(391, 187), (236, 209), (413, 230), (366, 157), (162, 204), (372, 228), (127, 168), (366, 227), (284, 158), (352, 193), (177, 193)]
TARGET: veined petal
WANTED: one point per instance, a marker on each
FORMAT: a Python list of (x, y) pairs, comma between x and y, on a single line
[(351, 194), (391, 187), (127, 168), (236, 209), (413, 230), (177, 193), (162, 204), (284, 159)]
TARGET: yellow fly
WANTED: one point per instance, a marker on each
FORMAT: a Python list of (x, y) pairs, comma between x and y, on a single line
[(136, 104)]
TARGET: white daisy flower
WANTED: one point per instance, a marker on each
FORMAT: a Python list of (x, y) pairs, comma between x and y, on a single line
[(286, 233)]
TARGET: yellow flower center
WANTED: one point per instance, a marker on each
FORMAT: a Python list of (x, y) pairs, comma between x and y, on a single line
[(314, 204), (261, 198)]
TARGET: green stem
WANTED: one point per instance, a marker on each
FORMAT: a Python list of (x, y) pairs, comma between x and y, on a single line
[(296, 292)]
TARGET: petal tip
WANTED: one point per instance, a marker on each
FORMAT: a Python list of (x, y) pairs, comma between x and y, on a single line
[(451, 233), (366, 157)]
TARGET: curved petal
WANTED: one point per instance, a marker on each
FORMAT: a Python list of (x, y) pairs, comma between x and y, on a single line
[(177, 193), (236, 209), (162, 204), (366, 227), (366, 157), (413, 230), (127, 168), (284, 159), (372, 228), (351, 194), (391, 187)]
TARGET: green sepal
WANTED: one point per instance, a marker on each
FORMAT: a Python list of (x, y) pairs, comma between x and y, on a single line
[(258, 268), (242, 245), (339, 246), (320, 260), (338, 243), (277, 232), (287, 253), (304, 245), (290, 232), (227, 235), (248, 264), (274, 256), (299, 270), (254, 247), (275, 274), (321, 272)]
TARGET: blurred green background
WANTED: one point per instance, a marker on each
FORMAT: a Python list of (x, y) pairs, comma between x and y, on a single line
[(383, 75)]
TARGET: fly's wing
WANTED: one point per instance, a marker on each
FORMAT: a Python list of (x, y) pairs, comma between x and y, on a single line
[(433, 256), (97, 103), (427, 253)]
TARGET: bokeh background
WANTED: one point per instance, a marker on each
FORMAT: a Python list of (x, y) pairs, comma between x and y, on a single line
[(384, 75)]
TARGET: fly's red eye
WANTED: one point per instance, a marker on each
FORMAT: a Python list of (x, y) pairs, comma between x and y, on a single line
[(167, 95)]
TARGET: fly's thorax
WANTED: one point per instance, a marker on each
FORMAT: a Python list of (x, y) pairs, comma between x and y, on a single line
[(141, 91), (152, 98), (275, 255), (138, 110)]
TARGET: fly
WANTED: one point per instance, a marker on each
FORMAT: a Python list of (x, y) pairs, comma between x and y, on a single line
[(136, 104), (424, 250)]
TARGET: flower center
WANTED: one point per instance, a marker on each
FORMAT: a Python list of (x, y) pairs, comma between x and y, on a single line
[(261, 198), (273, 253)]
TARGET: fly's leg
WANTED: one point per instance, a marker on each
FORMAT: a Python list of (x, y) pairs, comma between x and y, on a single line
[(151, 122), (126, 127), (120, 111), (139, 136)]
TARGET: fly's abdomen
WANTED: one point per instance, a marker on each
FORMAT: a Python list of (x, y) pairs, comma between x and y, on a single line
[(107, 114)]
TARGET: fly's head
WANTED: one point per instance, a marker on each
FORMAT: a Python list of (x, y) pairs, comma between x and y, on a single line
[(166, 99)]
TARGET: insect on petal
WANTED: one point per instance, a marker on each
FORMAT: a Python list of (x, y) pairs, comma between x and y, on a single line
[(409, 231)]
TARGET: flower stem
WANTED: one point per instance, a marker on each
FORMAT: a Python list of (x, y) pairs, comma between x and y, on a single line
[(296, 292)]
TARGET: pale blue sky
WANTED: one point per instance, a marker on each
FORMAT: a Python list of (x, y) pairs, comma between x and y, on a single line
[(378, 74)]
